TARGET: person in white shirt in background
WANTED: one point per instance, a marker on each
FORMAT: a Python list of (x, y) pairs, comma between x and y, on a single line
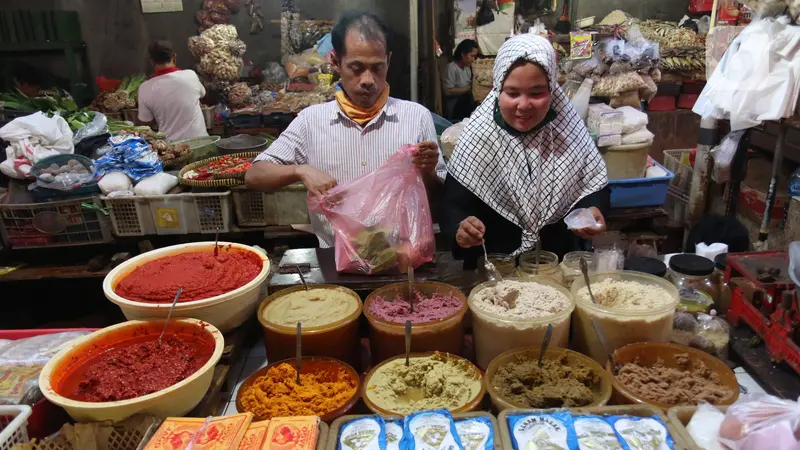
[(170, 99), (457, 81)]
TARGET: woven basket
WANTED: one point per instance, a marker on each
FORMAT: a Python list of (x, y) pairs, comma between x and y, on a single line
[(178, 162), (217, 182)]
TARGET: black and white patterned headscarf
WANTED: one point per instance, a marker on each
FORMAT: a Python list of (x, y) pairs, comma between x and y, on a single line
[(532, 179)]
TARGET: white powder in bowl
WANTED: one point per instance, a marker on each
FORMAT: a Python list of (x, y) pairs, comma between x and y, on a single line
[(631, 295), (517, 300)]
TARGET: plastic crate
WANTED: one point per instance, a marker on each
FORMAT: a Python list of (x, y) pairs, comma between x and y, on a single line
[(185, 213), (675, 205), (682, 182), (13, 425), (640, 192), (288, 206), (84, 226)]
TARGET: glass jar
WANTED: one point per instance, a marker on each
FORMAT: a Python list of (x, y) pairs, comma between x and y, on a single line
[(691, 274), (504, 263), (722, 292), (571, 266), (548, 266)]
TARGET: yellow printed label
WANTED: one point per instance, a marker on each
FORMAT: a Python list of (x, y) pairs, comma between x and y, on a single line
[(168, 218)]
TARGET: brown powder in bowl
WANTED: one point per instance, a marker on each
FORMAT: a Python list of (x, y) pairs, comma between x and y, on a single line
[(690, 386)]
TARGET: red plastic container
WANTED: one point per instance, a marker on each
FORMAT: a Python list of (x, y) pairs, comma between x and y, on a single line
[(687, 101), (661, 103), (46, 418)]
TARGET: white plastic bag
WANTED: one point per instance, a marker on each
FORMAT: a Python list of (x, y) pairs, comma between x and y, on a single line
[(158, 184), (580, 101), (704, 427), (579, 219), (31, 139), (97, 127), (632, 119), (113, 182), (638, 137)]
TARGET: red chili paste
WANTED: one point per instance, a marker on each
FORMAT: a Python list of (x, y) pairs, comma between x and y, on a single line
[(200, 274), (136, 368)]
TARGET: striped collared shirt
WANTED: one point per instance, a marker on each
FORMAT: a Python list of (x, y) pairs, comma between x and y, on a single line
[(323, 137)]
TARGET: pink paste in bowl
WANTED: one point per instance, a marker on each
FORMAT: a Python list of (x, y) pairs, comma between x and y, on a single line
[(426, 309)]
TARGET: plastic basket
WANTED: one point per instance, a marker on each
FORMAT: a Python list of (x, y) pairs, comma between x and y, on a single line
[(288, 206), (185, 213), (83, 226), (13, 425), (640, 192), (683, 172), (675, 205)]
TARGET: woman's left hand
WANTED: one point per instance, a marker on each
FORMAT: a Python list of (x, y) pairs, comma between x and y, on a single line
[(590, 232)]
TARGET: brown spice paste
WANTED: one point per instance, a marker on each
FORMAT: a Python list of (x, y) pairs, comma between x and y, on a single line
[(690, 386), (556, 384)]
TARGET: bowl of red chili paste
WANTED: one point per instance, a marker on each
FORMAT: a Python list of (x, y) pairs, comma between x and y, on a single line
[(123, 370), (223, 289)]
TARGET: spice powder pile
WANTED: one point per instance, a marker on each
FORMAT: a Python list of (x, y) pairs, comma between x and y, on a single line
[(276, 393)]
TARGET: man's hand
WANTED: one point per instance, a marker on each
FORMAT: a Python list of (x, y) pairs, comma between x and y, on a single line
[(470, 232), (316, 182), (590, 232), (427, 157)]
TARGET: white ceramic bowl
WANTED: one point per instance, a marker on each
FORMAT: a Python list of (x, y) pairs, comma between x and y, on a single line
[(174, 401), (226, 311)]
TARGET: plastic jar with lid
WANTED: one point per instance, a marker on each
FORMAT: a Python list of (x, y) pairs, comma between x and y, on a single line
[(571, 266), (650, 266), (722, 292), (504, 263), (691, 274), (547, 268)]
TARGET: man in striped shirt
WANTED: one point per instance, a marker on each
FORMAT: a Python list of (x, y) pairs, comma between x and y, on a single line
[(355, 134)]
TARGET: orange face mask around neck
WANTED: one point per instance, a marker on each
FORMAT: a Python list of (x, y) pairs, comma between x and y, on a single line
[(360, 115)]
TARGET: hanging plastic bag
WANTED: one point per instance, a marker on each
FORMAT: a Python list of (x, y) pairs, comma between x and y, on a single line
[(761, 421), (723, 157), (98, 126), (381, 220)]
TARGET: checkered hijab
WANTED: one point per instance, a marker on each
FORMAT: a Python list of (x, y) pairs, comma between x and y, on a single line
[(531, 179)]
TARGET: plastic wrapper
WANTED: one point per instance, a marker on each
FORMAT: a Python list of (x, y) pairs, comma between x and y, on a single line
[(626, 98), (274, 73), (36, 350), (604, 119), (723, 157), (132, 156), (580, 101), (761, 421), (98, 126), (450, 137), (611, 85), (114, 182), (609, 140), (704, 427), (638, 137), (579, 219), (65, 181), (20, 385), (633, 119), (650, 89), (570, 88), (609, 259), (713, 333), (381, 220)]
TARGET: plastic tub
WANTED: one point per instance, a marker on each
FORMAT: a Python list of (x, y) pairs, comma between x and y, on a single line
[(226, 311), (494, 335), (620, 326), (387, 339), (648, 353), (626, 161), (547, 268), (174, 401), (471, 405), (309, 364), (640, 192), (337, 340), (601, 391)]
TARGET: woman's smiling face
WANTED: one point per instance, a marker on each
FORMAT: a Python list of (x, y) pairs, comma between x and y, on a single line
[(525, 97)]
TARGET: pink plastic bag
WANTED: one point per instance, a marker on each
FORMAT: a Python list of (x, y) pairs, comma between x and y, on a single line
[(382, 221), (761, 422)]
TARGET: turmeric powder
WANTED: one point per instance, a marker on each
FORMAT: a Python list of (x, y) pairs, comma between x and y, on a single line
[(324, 388)]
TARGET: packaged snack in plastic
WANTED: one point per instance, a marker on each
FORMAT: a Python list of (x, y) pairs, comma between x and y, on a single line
[(366, 433), (704, 427), (641, 433), (534, 431), (36, 350), (131, 155), (626, 98), (476, 433), (394, 434), (382, 220), (761, 421), (20, 385), (594, 432), (430, 430), (611, 85), (580, 45)]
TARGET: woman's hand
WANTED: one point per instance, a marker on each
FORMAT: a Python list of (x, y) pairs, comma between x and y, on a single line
[(590, 232), (470, 232)]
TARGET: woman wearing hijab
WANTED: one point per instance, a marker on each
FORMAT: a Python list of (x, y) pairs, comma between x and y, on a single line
[(523, 162)]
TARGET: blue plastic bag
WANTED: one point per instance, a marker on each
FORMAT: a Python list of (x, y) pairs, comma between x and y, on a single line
[(366, 433), (131, 155), (641, 433), (431, 430), (476, 433), (545, 431)]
